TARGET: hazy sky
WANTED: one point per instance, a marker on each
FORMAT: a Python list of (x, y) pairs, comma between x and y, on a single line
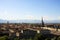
[(30, 9)]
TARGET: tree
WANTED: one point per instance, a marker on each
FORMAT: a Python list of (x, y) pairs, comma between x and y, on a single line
[(48, 39), (58, 38), (16, 39), (38, 37), (4, 38)]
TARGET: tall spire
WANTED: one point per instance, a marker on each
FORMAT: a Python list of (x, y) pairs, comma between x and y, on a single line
[(42, 22)]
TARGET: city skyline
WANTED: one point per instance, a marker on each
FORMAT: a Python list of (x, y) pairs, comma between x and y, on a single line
[(30, 9)]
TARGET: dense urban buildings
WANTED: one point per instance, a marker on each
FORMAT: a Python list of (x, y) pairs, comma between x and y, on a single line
[(28, 30)]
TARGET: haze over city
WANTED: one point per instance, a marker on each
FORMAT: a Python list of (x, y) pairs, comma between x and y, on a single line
[(30, 9)]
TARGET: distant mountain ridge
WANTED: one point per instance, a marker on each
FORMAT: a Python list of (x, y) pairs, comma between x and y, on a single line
[(29, 21), (20, 21), (3, 21)]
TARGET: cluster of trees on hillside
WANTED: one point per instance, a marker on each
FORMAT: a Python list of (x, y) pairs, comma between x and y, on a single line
[(37, 37)]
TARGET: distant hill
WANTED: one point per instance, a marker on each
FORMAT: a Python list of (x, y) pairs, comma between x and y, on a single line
[(24, 21), (29, 21), (20, 21), (3, 21), (52, 21)]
